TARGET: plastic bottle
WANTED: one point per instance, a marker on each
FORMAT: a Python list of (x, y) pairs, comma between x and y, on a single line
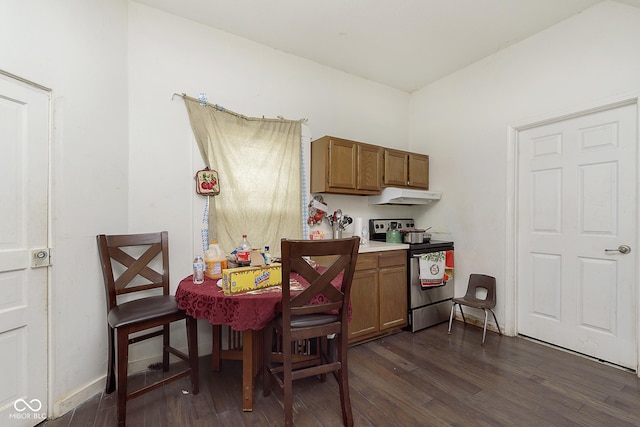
[(364, 236), (215, 261), (198, 270), (243, 252), (267, 255)]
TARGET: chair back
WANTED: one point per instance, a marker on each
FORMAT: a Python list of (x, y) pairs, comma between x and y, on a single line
[(343, 254), (479, 283), (133, 263)]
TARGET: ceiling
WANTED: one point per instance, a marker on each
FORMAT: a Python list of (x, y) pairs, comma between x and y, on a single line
[(404, 44)]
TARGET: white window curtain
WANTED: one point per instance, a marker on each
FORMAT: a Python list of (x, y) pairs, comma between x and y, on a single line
[(258, 164)]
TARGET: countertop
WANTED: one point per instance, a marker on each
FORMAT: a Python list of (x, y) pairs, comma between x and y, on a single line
[(373, 246)]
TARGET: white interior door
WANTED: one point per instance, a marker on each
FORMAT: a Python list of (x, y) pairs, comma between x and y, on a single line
[(24, 183), (576, 201)]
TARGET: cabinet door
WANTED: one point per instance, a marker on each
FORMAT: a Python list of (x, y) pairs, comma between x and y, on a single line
[(392, 283), (364, 305), (370, 158), (393, 297), (342, 164), (396, 168), (419, 171)]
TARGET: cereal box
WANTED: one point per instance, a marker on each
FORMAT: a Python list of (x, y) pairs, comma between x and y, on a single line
[(244, 279)]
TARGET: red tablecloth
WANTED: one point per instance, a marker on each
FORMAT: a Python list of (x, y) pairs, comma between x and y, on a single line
[(240, 312), (208, 301)]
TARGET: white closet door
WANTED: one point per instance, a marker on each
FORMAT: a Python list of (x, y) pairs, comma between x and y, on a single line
[(576, 201)]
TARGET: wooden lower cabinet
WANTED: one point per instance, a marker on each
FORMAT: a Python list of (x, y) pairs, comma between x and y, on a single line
[(378, 295), (393, 293), (364, 305)]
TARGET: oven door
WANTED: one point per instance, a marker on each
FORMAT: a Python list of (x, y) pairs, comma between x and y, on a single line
[(419, 297)]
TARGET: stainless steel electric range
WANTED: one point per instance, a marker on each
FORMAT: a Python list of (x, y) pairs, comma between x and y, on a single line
[(426, 307)]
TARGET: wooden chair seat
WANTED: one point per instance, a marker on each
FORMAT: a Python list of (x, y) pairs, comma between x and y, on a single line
[(310, 320), (143, 309)]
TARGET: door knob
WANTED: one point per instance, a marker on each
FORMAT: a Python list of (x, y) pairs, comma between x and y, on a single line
[(623, 249), (41, 258)]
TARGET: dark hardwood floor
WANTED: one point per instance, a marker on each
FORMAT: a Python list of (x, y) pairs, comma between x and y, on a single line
[(426, 378)]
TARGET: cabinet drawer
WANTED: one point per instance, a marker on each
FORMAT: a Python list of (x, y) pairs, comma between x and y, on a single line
[(392, 258), (367, 261)]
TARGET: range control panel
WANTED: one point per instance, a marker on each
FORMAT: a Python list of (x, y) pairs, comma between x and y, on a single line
[(380, 226)]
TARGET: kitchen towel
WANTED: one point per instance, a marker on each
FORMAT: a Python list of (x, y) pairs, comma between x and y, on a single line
[(432, 267), (357, 227), (448, 267)]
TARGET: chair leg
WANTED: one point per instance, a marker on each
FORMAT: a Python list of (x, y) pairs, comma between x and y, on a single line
[(166, 342), (462, 313), (323, 347), (345, 400), (494, 318), (484, 330), (288, 382), (111, 364), (266, 362), (192, 344), (453, 311), (123, 362)]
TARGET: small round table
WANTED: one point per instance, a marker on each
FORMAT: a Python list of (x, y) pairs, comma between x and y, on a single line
[(248, 313)]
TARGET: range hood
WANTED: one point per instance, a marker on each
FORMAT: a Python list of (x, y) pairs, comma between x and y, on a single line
[(404, 196)]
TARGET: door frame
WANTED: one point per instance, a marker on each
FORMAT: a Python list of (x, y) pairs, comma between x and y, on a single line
[(511, 214), (49, 356)]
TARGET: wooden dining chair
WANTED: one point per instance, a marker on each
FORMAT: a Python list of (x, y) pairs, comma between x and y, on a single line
[(320, 310), (478, 283), (139, 263)]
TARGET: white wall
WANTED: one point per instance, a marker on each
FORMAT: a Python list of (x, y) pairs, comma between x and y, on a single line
[(462, 121), (78, 49), (170, 54)]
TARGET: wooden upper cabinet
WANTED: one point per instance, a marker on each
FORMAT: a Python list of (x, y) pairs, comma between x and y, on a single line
[(396, 168), (369, 170), (404, 169), (419, 171), (342, 164), (345, 167)]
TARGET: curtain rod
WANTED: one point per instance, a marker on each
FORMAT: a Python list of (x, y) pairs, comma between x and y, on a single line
[(202, 99)]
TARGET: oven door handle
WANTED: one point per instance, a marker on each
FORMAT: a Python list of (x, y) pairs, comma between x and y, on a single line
[(424, 253)]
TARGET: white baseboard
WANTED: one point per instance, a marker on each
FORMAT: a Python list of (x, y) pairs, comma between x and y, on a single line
[(97, 386), (65, 405), (472, 320)]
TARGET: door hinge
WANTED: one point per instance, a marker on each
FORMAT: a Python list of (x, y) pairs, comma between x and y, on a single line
[(41, 257)]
